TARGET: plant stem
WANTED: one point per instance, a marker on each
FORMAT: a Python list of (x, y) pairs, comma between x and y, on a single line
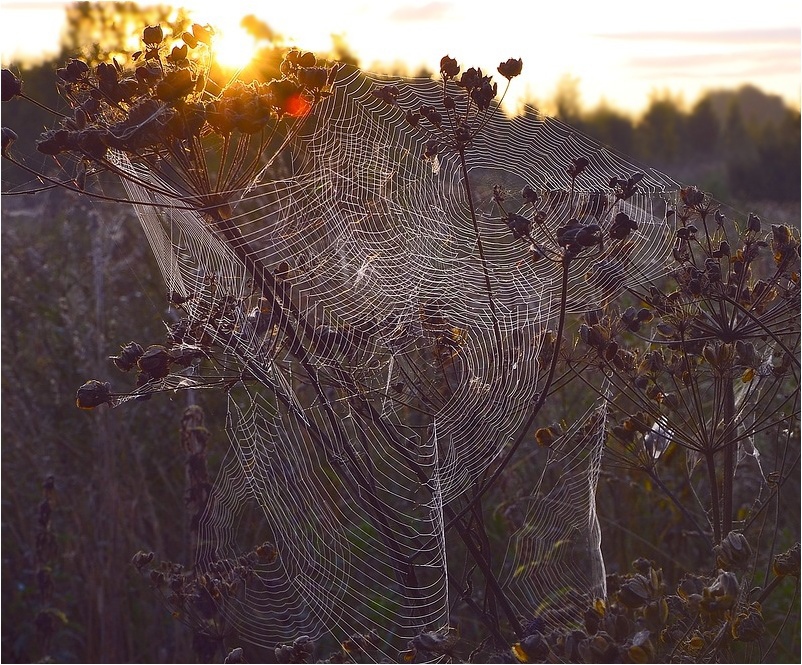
[(714, 496), (729, 454), (270, 288), (767, 591), (268, 285), (490, 578), (480, 245), (539, 402), (688, 516)]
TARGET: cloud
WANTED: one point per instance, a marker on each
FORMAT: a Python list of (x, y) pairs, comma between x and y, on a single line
[(743, 63), (432, 11), (747, 36)]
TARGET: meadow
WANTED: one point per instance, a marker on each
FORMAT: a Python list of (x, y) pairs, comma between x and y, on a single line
[(346, 367)]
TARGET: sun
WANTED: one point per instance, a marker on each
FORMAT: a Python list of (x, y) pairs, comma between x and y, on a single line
[(233, 47)]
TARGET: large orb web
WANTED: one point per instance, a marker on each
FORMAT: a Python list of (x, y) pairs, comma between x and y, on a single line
[(415, 375)]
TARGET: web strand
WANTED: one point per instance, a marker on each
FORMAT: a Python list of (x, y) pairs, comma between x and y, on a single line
[(404, 396)]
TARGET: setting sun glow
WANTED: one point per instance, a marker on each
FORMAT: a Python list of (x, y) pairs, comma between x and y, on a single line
[(618, 60), (233, 48)]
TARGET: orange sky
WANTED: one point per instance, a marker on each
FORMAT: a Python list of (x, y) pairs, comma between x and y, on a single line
[(620, 52)]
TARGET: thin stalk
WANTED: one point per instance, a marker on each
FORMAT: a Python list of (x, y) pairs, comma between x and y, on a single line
[(765, 329), (714, 495), (267, 284), (479, 245), (729, 453), (680, 641), (539, 402), (42, 106), (791, 606), (489, 622), (688, 516), (490, 578), (64, 185), (769, 588)]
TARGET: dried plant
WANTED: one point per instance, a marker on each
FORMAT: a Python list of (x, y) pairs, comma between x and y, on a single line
[(695, 374)]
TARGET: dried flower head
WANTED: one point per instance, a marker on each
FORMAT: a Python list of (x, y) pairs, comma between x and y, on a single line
[(11, 85), (448, 67), (9, 136), (510, 68), (93, 393), (387, 93), (153, 35)]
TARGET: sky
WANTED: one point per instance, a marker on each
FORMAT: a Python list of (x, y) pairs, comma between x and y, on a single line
[(618, 53)]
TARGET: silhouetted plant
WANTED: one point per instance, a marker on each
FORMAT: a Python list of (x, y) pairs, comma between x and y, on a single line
[(705, 378), (705, 361)]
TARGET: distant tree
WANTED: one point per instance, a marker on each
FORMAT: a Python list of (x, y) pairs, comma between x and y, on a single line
[(702, 127), (660, 130), (771, 169), (610, 127), (341, 50), (756, 106), (97, 31), (273, 46), (567, 101), (259, 30), (736, 139)]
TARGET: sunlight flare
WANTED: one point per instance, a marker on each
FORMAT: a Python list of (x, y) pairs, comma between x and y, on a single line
[(233, 47)]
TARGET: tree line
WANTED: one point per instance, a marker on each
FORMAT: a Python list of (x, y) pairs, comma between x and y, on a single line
[(741, 145)]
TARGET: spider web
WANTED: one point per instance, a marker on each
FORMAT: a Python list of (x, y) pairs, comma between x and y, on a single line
[(415, 376), (554, 561)]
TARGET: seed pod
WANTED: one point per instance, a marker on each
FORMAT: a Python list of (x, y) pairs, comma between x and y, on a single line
[(721, 595), (691, 196), (9, 136), (432, 115), (577, 165), (153, 35), (531, 649), (307, 59), (511, 68), (749, 626), (635, 592), (546, 436), (313, 77), (449, 67), (128, 357), (592, 620), (202, 34), (656, 613), (93, 393), (236, 655), (787, 563), (142, 559), (267, 552), (11, 85), (733, 551), (155, 361), (642, 649), (689, 585), (189, 39), (529, 195)]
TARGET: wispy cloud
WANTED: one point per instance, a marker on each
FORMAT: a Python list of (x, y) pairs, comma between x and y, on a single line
[(432, 11), (747, 36), (743, 63)]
